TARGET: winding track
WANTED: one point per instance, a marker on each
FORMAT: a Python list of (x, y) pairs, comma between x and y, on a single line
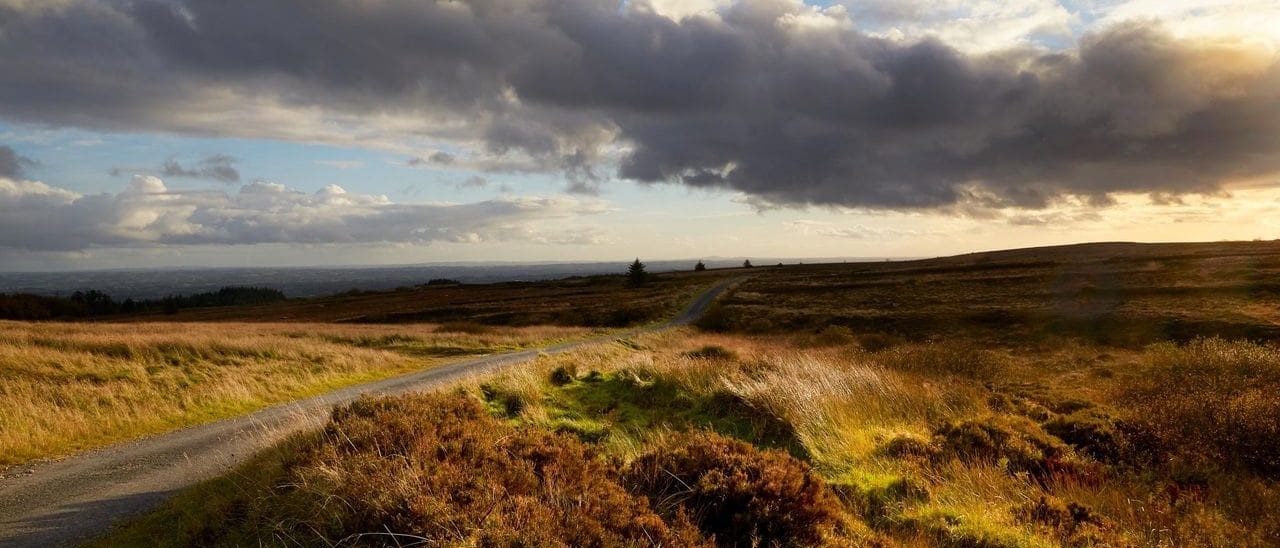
[(65, 502)]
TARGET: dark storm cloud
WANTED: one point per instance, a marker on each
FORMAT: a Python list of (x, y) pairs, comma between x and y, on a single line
[(217, 167), (755, 100), (13, 165)]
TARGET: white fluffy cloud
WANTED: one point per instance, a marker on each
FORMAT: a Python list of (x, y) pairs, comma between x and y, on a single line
[(971, 26), (39, 217)]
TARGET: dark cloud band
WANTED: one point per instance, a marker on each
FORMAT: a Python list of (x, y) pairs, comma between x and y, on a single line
[(754, 100)]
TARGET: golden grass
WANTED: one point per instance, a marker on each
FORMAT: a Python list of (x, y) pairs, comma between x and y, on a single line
[(66, 387), (845, 406)]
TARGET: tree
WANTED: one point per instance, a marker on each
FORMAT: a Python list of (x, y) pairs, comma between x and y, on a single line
[(636, 275), (746, 263), (699, 267)]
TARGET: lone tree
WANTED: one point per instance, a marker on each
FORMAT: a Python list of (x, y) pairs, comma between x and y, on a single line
[(746, 263), (699, 267), (636, 275)]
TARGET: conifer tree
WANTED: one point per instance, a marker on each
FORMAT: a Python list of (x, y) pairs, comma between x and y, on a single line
[(636, 275)]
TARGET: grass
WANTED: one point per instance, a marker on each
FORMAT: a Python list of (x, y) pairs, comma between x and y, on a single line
[(595, 301), (1123, 295), (66, 387), (1106, 395), (916, 452)]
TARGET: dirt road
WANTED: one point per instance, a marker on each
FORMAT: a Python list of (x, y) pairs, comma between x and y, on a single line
[(65, 502)]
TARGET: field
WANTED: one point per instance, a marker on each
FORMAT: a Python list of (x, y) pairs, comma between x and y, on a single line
[(66, 387), (1104, 395), (1126, 295), (595, 301), (71, 386)]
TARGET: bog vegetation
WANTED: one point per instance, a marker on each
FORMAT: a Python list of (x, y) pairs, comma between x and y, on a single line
[(1081, 397)]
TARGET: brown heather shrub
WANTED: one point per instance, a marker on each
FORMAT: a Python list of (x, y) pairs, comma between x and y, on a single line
[(909, 447), (437, 470), (834, 335), (1097, 434), (717, 319), (1210, 401), (743, 496), (1016, 441)]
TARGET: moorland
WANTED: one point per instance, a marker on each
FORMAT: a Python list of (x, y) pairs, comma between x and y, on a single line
[(1093, 395)]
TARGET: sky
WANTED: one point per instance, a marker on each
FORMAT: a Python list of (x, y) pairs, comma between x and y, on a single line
[(155, 133)]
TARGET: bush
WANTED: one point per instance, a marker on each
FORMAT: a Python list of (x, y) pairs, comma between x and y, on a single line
[(881, 504), (509, 402), (1052, 511), (1211, 402), (1095, 433), (1016, 441), (741, 495), (716, 319), (561, 376), (906, 446), (438, 470), (834, 335)]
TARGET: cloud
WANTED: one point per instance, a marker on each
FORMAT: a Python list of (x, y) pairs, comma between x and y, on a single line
[(341, 164), (857, 232), (787, 103), (12, 165), (217, 167), (37, 217), (970, 26)]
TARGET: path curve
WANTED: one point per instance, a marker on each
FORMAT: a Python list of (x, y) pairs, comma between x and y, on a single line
[(68, 501)]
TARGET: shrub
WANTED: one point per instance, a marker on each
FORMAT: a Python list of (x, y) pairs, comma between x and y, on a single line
[(1016, 441), (906, 446), (882, 503), (1051, 510), (1210, 401), (511, 403), (1095, 433), (561, 376), (716, 319), (438, 470), (834, 335), (741, 495)]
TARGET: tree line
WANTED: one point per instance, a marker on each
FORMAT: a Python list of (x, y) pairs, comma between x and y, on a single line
[(91, 303)]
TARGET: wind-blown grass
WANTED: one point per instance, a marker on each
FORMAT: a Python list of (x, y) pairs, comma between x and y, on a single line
[(66, 387)]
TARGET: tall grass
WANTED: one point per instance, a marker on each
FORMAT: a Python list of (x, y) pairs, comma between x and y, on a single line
[(943, 444), (72, 386)]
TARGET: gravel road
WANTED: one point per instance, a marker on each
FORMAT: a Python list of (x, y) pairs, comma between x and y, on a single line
[(65, 502)]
